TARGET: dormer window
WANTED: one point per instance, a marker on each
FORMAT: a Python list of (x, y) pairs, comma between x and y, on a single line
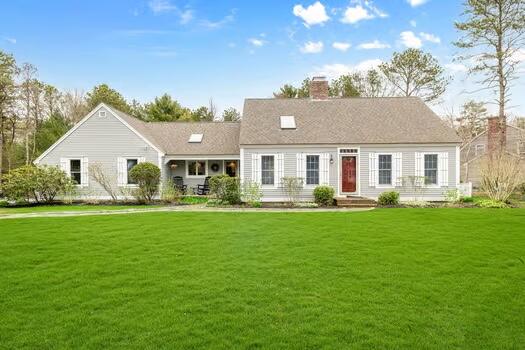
[(195, 138), (288, 122)]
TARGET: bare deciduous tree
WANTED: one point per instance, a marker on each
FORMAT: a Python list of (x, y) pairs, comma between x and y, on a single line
[(500, 176), (97, 172)]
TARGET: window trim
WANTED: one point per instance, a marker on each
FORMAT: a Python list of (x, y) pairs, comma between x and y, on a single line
[(392, 160), (80, 172), (127, 171), (423, 154), (196, 176), (275, 182), (306, 169)]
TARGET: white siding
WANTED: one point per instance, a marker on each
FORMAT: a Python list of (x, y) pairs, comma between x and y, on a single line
[(404, 155), (101, 140)]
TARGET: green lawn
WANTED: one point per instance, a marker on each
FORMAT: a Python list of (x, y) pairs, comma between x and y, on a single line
[(388, 278), (55, 208)]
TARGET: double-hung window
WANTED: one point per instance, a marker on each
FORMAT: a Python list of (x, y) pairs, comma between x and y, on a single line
[(197, 168), (75, 170), (431, 169), (312, 170), (130, 163), (384, 168), (267, 170)]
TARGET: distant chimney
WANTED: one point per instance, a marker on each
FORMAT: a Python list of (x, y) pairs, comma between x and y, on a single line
[(319, 88), (496, 135)]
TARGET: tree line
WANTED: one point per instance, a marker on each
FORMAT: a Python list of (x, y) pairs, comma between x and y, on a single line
[(34, 114)]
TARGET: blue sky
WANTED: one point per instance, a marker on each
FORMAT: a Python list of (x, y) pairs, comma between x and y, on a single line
[(227, 50)]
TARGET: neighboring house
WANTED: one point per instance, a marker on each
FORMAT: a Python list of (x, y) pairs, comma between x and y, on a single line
[(473, 153), (359, 146)]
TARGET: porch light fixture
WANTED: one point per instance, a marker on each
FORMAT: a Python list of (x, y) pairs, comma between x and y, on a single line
[(331, 159), (173, 166)]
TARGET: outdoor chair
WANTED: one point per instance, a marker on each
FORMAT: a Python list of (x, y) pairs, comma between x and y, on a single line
[(178, 182), (204, 189)]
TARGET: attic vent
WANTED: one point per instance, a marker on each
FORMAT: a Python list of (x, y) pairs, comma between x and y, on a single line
[(102, 114), (287, 122), (195, 138)]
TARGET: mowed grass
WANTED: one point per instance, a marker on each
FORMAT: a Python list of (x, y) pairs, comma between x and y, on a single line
[(74, 207), (392, 278)]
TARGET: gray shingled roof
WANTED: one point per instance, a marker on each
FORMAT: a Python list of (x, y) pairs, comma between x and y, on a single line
[(172, 137), (343, 121)]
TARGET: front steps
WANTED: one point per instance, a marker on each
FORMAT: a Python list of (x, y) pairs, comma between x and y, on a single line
[(355, 202)]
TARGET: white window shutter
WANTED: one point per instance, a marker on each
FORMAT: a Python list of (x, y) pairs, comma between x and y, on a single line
[(280, 168), (256, 163), (372, 169), (397, 169), (121, 171), (84, 178), (324, 169), (301, 166), (420, 169), (65, 166), (443, 169)]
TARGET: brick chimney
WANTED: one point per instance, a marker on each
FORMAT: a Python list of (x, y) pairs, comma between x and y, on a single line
[(319, 88), (496, 135)]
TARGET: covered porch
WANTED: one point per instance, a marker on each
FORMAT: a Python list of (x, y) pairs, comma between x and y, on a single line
[(192, 173)]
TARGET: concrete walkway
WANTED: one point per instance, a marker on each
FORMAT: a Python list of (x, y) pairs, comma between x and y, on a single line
[(182, 208)]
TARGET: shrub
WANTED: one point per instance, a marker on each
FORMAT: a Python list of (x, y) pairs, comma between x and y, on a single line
[(226, 189), (467, 199), (147, 177), (491, 203), (38, 183), (388, 198), (324, 195), (105, 180), (500, 176), (19, 184), (453, 196), (170, 193), (252, 194), (4, 204), (51, 181), (292, 187)]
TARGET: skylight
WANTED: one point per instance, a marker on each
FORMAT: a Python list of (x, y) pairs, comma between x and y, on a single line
[(287, 122), (195, 138)]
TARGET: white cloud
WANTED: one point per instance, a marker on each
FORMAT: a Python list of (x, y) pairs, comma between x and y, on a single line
[(10, 40), (160, 6), (341, 46), (376, 44), (165, 6), (456, 67), (256, 42), (415, 3), (430, 37), (186, 16), (220, 23), (337, 69), (409, 39), (311, 15), (232, 45), (413, 23), (363, 10), (312, 47)]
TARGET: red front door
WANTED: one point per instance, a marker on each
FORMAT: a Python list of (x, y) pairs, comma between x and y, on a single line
[(349, 174)]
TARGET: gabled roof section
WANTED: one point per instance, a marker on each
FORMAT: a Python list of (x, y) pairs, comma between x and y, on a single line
[(122, 117), (343, 121)]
